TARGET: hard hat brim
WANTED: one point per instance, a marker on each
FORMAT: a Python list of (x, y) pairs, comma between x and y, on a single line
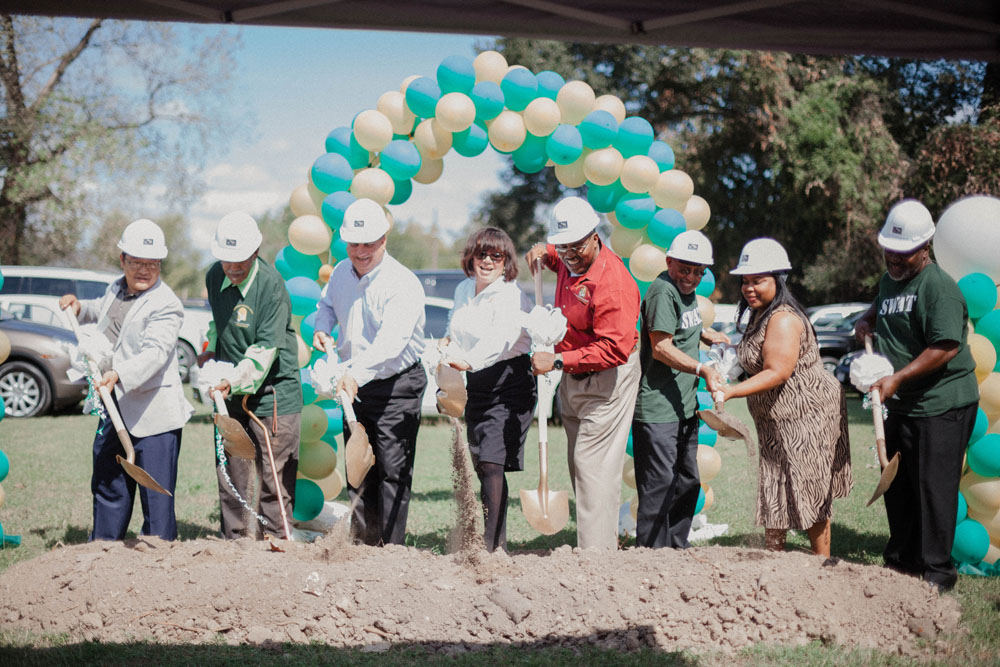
[(893, 244), (231, 254), (568, 236), (156, 254)]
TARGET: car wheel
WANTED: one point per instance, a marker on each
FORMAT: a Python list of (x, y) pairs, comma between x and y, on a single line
[(186, 358), (25, 389), (830, 364)]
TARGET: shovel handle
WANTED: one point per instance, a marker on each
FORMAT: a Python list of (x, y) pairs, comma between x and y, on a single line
[(538, 282), (345, 404), (718, 398), (883, 457), (220, 404)]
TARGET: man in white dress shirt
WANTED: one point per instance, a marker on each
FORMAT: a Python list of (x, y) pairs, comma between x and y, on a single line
[(379, 306)]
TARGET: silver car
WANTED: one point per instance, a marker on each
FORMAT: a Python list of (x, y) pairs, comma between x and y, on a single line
[(33, 377)]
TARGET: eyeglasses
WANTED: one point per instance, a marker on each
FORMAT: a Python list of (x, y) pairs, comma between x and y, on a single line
[(576, 248), (495, 256), (137, 265)]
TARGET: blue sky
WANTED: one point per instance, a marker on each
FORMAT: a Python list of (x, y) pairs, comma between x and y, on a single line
[(297, 85)]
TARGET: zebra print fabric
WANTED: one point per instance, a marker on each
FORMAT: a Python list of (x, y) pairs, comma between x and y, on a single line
[(805, 457)]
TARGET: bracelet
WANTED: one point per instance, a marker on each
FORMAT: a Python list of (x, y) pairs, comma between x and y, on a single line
[(697, 369)]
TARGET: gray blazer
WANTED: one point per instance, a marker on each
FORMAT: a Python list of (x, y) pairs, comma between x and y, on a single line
[(149, 390)]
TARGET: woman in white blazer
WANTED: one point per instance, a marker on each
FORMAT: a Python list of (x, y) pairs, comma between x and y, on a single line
[(141, 316)]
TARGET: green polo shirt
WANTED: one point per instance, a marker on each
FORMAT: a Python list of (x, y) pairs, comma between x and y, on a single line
[(912, 315), (257, 313), (665, 394)]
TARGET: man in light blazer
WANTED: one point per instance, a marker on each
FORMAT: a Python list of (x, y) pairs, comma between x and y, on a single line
[(141, 316)]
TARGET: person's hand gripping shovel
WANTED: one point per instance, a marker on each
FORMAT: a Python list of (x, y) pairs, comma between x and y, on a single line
[(889, 468), (546, 511), (235, 440), (358, 454), (727, 425), (128, 463)]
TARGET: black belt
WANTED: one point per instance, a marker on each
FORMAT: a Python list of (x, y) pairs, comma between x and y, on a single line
[(582, 376)]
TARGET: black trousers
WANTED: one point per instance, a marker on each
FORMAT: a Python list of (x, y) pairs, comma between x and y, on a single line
[(389, 410), (666, 477), (922, 502)]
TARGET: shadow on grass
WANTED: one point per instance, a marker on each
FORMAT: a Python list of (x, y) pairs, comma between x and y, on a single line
[(845, 542), (186, 530)]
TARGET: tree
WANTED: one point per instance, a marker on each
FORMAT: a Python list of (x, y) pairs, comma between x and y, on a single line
[(100, 106)]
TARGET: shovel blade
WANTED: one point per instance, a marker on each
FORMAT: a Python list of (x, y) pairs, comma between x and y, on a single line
[(888, 474), (358, 455), (549, 514), (729, 426), (142, 477), (235, 440)]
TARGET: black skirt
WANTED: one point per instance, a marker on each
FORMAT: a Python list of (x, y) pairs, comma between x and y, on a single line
[(499, 412)]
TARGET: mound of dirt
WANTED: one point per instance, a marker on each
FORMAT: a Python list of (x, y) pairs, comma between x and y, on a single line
[(701, 599)]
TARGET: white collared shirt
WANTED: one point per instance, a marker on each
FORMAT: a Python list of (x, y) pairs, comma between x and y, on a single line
[(381, 318), (486, 328)]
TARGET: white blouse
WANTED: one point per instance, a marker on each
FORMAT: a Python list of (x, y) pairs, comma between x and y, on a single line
[(487, 328)]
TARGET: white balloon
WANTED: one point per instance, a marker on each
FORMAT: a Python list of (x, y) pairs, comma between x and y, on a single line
[(639, 173), (647, 262), (696, 213), (301, 203), (575, 100), (541, 116), (673, 189), (432, 140), (604, 166), (373, 183), (967, 238), (490, 66), (430, 171), (455, 112), (507, 132), (393, 104), (571, 175), (407, 81), (372, 129), (309, 235), (612, 105)]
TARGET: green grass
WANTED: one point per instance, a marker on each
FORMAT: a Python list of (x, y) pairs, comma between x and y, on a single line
[(48, 503)]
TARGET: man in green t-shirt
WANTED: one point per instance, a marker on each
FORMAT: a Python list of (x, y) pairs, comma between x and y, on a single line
[(665, 427), (252, 328), (921, 321)]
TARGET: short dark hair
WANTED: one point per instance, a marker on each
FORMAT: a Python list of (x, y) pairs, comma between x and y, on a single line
[(491, 239)]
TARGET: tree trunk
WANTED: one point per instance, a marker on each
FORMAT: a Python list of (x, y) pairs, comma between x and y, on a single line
[(13, 217)]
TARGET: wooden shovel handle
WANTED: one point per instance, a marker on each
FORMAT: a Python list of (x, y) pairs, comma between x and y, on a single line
[(883, 457), (345, 404), (538, 282), (220, 404)]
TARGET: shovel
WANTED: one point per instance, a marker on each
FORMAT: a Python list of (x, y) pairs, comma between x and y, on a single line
[(235, 440), (452, 394), (270, 456), (358, 455), (134, 471), (727, 425), (546, 511), (889, 468)]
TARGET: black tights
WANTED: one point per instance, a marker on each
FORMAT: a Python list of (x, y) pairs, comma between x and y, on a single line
[(494, 498)]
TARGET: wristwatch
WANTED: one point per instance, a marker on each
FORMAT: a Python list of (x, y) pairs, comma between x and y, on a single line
[(557, 364)]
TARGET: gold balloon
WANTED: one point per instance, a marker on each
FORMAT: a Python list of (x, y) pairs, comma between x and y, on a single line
[(647, 262), (430, 171), (575, 99), (990, 521), (507, 131), (316, 458), (372, 129), (541, 116), (989, 396), (639, 174), (633, 507), (373, 183), (455, 112), (315, 194), (331, 485), (4, 347), (3, 495), (709, 463), (709, 498), (993, 552), (707, 311), (981, 493), (432, 139), (393, 105), (301, 203), (324, 273), (696, 213), (406, 83), (309, 235), (984, 354), (604, 166), (312, 424), (612, 105), (571, 175), (628, 472), (673, 189), (624, 241), (490, 66)]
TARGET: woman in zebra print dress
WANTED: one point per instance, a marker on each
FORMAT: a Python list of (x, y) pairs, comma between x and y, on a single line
[(797, 406)]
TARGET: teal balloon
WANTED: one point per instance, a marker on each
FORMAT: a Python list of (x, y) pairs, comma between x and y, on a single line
[(980, 294), (980, 427), (971, 542), (665, 224), (643, 288), (707, 284), (3, 407), (308, 500), (1, 287), (635, 211), (549, 84), (341, 141), (471, 142), (338, 248), (628, 444), (707, 436), (304, 293), (604, 197), (488, 99), (564, 145), (335, 420), (662, 154), (332, 172), (308, 392), (456, 74), (315, 356), (400, 159), (402, 192), (598, 129), (290, 263), (702, 385), (635, 136), (963, 509), (519, 88), (989, 326), (705, 400), (4, 465), (422, 96), (307, 327), (701, 501), (530, 156), (984, 455), (333, 207)]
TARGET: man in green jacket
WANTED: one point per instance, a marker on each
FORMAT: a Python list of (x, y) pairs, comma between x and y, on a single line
[(252, 328)]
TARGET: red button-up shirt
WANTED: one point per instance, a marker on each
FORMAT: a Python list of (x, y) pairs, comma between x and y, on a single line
[(601, 308)]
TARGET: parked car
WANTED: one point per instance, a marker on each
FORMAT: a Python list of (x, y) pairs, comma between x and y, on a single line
[(831, 314), (440, 283), (843, 370), (33, 378), (835, 338)]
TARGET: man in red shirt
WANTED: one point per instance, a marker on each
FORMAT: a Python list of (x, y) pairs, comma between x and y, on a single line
[(599, 360)]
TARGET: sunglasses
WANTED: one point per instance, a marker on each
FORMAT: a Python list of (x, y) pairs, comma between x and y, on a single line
[(495, 256), (576, 248)]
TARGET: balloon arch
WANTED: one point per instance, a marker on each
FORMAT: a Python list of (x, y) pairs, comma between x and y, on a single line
[(542, 121)]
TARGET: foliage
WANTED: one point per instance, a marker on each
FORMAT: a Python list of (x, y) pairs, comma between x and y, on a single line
[(418, 248), (100, 106)]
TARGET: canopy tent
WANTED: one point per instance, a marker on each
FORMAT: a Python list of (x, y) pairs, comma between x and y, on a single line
[(957, 29)]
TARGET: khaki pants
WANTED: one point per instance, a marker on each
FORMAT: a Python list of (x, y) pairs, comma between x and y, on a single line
[(597, 413)]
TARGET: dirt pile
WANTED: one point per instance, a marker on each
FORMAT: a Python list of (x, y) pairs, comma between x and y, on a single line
[(243, 592)]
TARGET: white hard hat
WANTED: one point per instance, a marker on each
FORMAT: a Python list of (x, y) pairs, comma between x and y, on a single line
[(364, 222), (572, 219), (908, 226), (692, 247), (762, 256), (143, 239), (236, 238)]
